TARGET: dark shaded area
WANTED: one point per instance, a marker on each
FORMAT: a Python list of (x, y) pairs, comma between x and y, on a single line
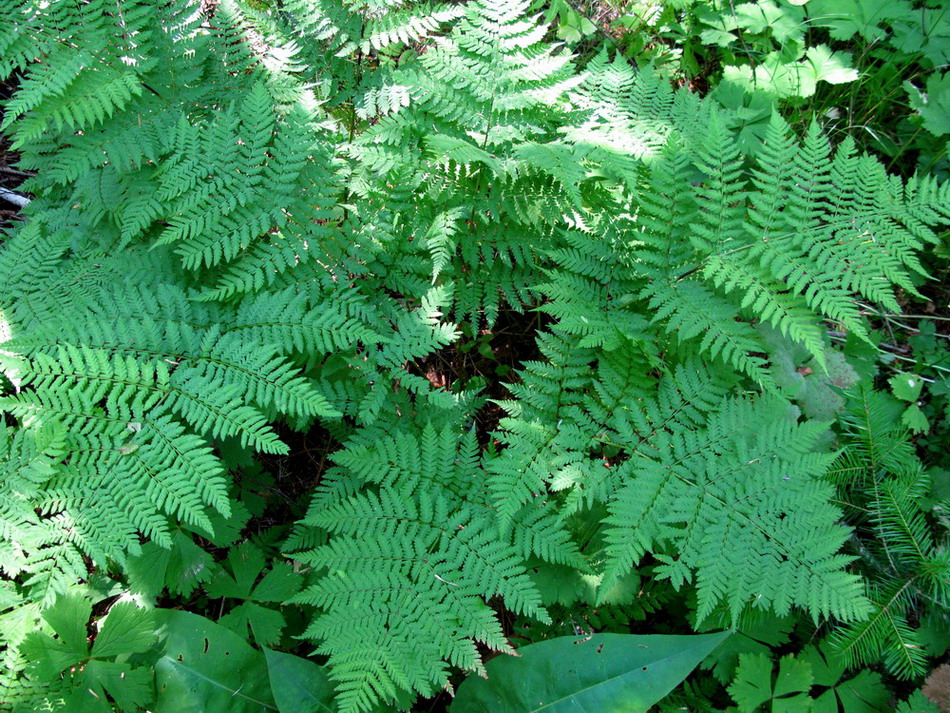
[(9, 176)]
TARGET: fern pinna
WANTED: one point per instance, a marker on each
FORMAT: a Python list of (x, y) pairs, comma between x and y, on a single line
[(221, 244)]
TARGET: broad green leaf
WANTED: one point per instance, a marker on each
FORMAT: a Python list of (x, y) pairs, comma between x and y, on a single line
[(933, 105), (753, 684), (573, 26), (245, 562), (48, 656), (710, 16), (819, 668), (794, 676), (775, 75), (748, 113), (865, 693), (789, 692), (265, 624), (758, 632), (206, 669), (67, 618), (132, 688), (181, 568), (906, 387), (299, 685), (785, 22), (227, 530), (86, 700), (915, 419), (603, 674), (127, 629), (827, 664), (918, 703), (829, 66), (146, 571), (718, 37), (845, 18), (924, 30), (278, 585)]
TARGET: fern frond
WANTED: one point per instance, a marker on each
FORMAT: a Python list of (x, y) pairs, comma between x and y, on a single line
[(745, 497), (886, 633), (422, 536), (689, 310)]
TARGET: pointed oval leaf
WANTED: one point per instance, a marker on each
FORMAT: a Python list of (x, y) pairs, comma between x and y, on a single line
[(299, 685), (208, 668), (607, 672)]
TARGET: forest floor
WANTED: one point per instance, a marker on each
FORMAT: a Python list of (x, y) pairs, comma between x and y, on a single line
[(9, 177)]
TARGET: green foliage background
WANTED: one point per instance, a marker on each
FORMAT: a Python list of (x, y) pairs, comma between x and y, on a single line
[(349, 348)]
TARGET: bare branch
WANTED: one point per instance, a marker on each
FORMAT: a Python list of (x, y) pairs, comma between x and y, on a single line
[(13, 197), (17, 172)]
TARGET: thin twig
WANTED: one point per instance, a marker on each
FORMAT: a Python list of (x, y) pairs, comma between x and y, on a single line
[(883, 345), (17, 172)]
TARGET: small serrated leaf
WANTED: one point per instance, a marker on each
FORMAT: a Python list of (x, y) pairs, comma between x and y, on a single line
[(127, 629), (915, 419), (906, 387)]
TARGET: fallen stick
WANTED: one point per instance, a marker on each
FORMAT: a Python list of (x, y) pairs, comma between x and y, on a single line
[(14, 198), (17, 172)]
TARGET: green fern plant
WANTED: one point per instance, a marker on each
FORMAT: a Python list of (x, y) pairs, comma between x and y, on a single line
[(250, 223), (904, 554)]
